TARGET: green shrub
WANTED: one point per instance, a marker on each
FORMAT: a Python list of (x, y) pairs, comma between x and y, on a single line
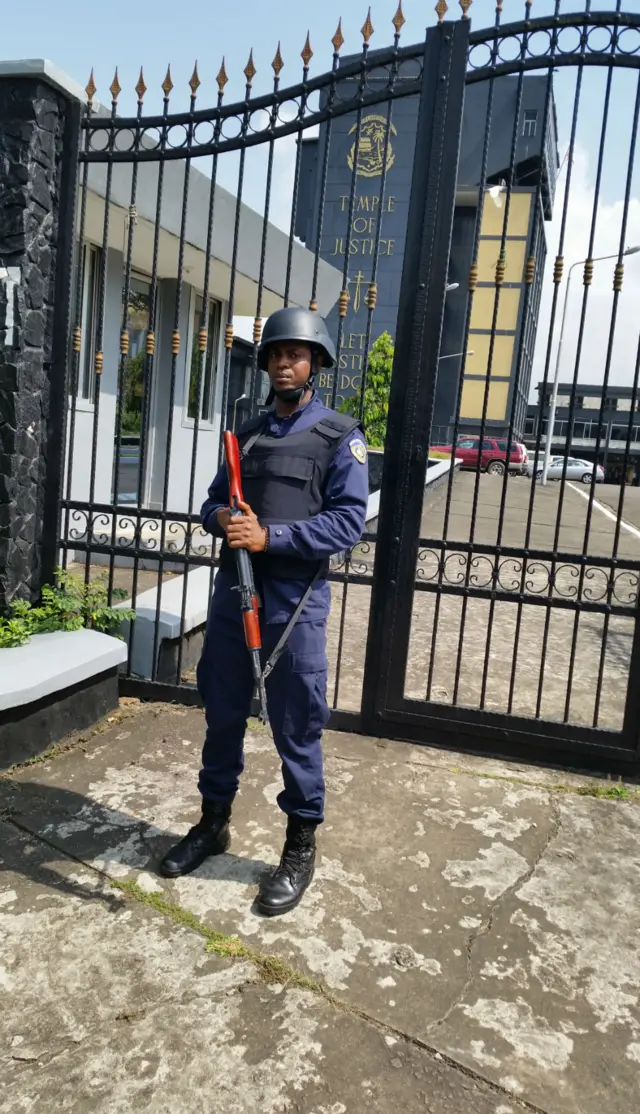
[(67, 604)]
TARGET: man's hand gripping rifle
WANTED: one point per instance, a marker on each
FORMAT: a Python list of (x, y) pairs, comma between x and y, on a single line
[(246, 585)]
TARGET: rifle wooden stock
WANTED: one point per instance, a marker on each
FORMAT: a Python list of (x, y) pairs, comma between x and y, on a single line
[(248, 597)]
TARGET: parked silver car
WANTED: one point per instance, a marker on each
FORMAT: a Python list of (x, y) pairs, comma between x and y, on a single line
[(580, 470)]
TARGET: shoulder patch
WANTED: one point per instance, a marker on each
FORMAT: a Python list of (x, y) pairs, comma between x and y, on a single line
[(359, 450)]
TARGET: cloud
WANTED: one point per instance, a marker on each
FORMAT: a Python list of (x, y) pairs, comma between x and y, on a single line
[(600, 301)]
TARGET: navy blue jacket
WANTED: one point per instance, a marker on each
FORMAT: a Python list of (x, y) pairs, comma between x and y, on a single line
[(339, 525)]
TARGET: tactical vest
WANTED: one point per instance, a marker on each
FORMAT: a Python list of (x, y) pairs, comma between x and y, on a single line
[(283, 481)]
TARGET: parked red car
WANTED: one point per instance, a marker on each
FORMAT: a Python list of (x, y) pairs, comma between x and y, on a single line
[(495, 455)]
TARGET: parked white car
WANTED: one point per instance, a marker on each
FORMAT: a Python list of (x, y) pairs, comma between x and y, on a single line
[(580, 470)]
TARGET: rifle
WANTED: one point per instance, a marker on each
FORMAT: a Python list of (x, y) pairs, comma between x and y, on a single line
[(246, 585)]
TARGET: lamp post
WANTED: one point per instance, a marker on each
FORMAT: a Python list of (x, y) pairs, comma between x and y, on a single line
[(551, 420), (469, 352), (239, 399)]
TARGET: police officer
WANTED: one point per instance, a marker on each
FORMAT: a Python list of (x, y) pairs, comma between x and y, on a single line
[(305, 482)]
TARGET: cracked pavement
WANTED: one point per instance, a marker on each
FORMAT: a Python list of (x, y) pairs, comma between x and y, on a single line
[(473, 941)]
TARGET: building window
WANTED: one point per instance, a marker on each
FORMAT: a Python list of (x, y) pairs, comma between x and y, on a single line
[(89, 323), (203, 382), (610, 404), (530, 125), (138, 325), (529, 426)]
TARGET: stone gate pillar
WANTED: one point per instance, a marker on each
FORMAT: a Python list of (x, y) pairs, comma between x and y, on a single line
[(39, 133)]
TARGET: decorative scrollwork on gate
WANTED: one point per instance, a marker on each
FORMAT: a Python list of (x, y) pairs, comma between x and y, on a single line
[(555, 40), (511, 576), (391, 73)]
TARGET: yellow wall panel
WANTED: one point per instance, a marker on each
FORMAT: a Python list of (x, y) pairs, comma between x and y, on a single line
[(473, 400), (488, 254), (502, 355), (519, 214), (483, 306)]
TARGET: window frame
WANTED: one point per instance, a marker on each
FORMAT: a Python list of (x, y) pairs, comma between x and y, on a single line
[(86, 384), (530, 117), (215, 349)]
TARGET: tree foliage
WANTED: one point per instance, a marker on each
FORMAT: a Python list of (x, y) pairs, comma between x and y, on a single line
[(376, 393)]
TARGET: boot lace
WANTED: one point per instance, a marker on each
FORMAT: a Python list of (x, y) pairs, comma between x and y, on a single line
[(294, 858)]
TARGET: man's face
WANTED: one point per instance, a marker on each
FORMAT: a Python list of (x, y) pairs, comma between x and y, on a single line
[(289, 365)]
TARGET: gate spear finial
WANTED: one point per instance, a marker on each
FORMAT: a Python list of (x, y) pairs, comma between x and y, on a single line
[(250, 69), (90, 89), (367, 28), (115, 87), (194, 83), (222, 78), (441, 9), (306, 53), (398, 19), (141, 88), (277, 63), (167, 84), (338, 38), (465, 5)]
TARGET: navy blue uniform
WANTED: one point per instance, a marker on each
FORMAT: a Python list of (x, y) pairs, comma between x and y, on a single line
[(296, 690)]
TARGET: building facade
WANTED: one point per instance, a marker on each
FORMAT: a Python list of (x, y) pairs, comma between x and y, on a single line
[(323, 217), (603, 427)]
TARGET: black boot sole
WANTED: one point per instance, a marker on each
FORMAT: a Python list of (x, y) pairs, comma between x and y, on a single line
[(219, 849), (278, 911)]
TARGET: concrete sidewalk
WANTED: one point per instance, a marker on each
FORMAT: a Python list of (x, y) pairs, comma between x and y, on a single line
[(470, 943)]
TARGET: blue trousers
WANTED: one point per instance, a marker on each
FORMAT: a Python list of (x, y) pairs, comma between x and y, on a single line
[(297, 704)]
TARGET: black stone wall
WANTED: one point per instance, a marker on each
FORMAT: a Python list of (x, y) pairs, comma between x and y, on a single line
[(34, 121)]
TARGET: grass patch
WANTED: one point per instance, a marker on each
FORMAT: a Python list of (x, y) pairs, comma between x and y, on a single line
[(607, 792), (611, 791), (270, 968)]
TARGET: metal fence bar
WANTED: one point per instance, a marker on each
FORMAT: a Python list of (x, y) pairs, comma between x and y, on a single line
[(533, 264), (208, 342), (588, 274), (617, 289), (249, 72), (176, 345), (500, 272), (124, 333), (257, 324), (149, 364), (473, 277), (76, 346), (99, 354), (367, 31)]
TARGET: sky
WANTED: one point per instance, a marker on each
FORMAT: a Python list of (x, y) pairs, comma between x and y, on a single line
[(77, 36)]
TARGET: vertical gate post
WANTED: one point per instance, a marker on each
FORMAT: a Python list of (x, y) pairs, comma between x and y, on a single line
[(415, 366), (39, 134)]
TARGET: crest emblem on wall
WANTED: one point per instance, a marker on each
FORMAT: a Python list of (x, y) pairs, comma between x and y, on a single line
[(373, 130)]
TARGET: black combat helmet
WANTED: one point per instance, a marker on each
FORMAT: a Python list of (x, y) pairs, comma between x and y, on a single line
[(300, 324)]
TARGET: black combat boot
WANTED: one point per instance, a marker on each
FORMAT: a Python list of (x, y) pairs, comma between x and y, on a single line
[(282, 891), (210, 836)]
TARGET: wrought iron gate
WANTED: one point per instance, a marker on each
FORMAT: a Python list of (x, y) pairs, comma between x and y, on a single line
[(513, 623), (448, 618)]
